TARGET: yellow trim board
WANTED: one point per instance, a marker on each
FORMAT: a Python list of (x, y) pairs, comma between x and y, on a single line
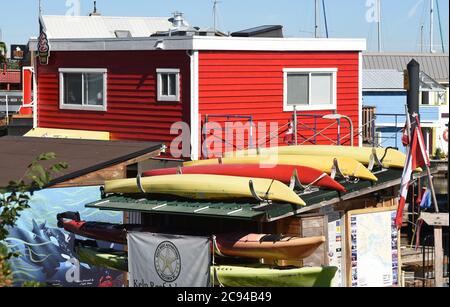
[(68, 134)]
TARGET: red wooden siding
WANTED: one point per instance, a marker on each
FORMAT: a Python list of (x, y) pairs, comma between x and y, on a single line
[(133, 110), (251, 83)]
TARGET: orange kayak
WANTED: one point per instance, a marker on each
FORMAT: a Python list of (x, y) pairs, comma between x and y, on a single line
[(267, 246)]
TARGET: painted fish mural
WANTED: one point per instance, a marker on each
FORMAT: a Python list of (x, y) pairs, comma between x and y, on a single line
[(47, 252)]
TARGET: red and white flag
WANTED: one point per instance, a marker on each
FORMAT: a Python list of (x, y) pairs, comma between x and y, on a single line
[(417, 156)]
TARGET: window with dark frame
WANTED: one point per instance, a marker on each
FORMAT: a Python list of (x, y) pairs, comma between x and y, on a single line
[(83, 90)]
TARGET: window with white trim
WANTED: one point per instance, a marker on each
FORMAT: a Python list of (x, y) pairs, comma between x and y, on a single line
[(168, 80), (83, 89), (309, 89)]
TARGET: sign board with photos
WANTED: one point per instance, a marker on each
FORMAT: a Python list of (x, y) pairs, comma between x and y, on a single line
[(336, 246), (372, 248)]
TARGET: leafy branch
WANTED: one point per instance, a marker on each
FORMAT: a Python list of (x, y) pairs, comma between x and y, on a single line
[(15, 198)]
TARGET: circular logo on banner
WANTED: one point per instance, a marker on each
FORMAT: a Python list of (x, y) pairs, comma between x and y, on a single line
[(167, 261)]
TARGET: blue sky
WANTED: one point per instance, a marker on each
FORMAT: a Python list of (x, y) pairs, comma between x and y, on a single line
[(346, 18)]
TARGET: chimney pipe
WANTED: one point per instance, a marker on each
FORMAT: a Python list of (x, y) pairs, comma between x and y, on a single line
[(414, 88), (178, 20)]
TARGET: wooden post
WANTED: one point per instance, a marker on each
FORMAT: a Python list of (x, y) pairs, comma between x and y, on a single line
[(438, 252), (437, 220), (438, 257)]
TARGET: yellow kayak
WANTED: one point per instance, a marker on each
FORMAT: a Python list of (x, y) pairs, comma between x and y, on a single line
[(348, 166), (206, 187), (391, 158)]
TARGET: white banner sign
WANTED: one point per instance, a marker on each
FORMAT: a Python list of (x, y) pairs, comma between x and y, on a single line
[(157, 260)]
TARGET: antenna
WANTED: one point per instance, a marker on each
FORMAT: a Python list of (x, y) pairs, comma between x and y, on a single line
[(95, 12)]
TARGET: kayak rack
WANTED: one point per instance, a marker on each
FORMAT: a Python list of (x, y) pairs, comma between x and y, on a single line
[(336, 171), (374, 161), (264, 202), (261, 210), (310, 188)]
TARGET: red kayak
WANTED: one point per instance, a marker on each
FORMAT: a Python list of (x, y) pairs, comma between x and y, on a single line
[(283, 173), (114, 233)]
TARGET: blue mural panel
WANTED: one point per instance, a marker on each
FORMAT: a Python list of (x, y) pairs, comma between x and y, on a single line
[(47, 252)]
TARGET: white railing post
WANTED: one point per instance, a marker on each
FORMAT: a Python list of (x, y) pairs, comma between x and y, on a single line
[(7, 110)]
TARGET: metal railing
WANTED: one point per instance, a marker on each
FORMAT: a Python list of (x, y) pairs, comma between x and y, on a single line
[(10, 103), (206, 131), (307, 129), (425, 277), (378, 140)]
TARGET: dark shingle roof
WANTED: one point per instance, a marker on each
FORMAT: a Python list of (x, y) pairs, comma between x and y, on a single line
[(83, 156)]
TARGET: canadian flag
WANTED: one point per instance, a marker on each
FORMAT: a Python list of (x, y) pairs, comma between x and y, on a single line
[(417, 156)]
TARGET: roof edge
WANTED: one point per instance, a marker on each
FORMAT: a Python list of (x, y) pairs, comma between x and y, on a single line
[(206, 43)]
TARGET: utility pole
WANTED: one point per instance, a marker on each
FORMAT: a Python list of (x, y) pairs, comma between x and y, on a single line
[(379, 24), (316, 18), (431, 25)]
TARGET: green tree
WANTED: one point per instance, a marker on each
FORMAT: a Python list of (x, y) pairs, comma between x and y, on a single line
[(15, 198)]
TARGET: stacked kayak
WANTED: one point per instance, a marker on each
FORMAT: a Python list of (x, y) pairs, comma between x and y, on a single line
[(283, 173), (107, 232), (253, 246), (347, 166), (237, 276), (228, 276), (106, 258), (267, 246), (390, 158), (206, 187)]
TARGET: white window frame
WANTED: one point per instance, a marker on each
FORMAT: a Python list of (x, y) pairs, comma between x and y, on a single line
[(310, 71), (82, 107), (161, 97)]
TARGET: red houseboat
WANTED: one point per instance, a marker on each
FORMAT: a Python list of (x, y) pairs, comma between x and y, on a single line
[(136, 77)]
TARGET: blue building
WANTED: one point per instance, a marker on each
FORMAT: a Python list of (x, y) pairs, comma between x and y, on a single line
[(384, 95)]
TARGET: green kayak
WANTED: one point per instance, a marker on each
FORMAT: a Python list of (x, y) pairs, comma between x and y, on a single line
[(105, 258), (237, 276), (228, 276)]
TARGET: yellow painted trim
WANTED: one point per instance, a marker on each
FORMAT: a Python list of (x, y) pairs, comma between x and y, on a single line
[(69, 134)]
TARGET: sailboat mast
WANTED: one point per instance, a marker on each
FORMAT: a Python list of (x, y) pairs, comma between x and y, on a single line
[(325, 18), (379, 24), (421, 39), (316, 18), (440, 26), (431, 25)]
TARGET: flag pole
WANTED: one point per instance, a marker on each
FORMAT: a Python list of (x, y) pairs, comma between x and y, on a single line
[(433, 193), (428, 169)]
